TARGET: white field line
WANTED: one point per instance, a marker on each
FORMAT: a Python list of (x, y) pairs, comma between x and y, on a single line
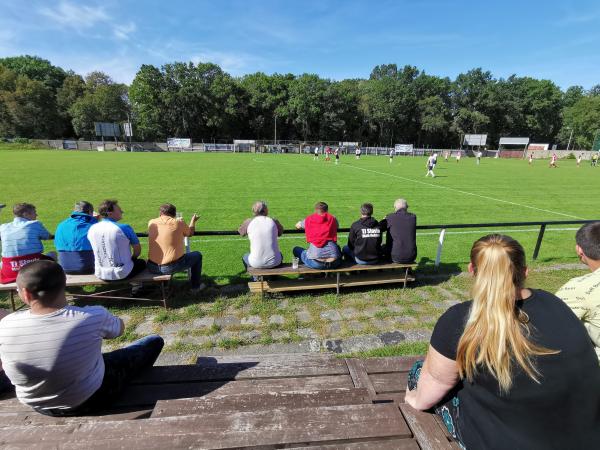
[(464, 192), (482, 232)]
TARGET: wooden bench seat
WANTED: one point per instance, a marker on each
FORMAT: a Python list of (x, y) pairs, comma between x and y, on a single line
[(91, 280), (343, 276)]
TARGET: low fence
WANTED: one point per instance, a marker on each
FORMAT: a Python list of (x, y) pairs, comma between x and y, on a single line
[(442, 231)]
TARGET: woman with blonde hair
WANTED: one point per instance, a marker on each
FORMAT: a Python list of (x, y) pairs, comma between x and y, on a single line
[(513, 368)]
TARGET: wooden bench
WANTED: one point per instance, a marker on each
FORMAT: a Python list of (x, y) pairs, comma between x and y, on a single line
[(73, 281), (248, 402), (343, 276)]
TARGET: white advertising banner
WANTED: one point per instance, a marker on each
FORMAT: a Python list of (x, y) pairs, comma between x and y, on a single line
[(179, 143)]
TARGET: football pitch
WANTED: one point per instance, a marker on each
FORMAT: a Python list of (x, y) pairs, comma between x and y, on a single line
[(222, 187)]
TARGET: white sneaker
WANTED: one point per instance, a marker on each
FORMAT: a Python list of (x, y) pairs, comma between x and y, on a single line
[(198, 289)]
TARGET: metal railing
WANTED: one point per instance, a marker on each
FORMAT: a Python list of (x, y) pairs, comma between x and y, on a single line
[(442, 228)]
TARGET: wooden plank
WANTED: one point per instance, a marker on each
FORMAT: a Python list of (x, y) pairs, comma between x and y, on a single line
[(359, 375), (243, 429), (380, 444), (229, 404), (326, 283), (149, 394), (286, 269), (389, 382), (426, 430), (390, 364), (32, 418), (247, 369)]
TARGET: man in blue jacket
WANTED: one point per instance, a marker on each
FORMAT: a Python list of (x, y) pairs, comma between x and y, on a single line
[(75, 253)]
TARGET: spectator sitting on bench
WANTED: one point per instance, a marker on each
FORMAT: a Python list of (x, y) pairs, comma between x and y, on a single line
[(166, 247), (582, 294), (75, 253), (514, 367), (401, 236), (5, 384), (112, 243), (262, 231), (321, 235), (52, 352), (22, 241), (364, 239)]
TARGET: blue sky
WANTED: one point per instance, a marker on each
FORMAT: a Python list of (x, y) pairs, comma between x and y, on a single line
[(558, 40)]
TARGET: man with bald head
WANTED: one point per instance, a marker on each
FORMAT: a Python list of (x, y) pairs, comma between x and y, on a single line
[(401, 234)]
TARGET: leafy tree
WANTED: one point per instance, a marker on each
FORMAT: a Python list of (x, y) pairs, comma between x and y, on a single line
[(36, 68), (147, 103), (583, 118)]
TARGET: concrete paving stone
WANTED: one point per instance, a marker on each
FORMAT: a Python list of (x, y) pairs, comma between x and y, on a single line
[(171, 328), (360, 343), (392, 337), (417, 335), (126, 318), (197, 340), (169, 338), (418, 307), (333, 328), (349, 313), (449, 303), (332, 315), (383, 324), (370, 312), (251, 320), (278, 335), (406, 320), (283, 304), (251, 336), (276, 320), (307, 333), (355, 325), (203, 322), (428, 319), (221, 335), (303, 316), (396, 308), (333, 345), (146, 327), (227, 321)]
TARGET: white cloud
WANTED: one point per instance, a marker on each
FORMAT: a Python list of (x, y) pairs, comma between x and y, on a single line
[(231, 62), (76, 16), (123, 32)]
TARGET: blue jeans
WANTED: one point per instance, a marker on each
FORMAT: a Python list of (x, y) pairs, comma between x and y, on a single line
[(350, 254), (192, 260), (120, 367), (301, 253)]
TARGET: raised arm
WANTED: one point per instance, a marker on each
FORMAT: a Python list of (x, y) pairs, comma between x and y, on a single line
[(438, 376), (243, 229)]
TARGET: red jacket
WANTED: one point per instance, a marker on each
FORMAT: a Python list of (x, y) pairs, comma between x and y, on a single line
[(11, 266), (320, 229)]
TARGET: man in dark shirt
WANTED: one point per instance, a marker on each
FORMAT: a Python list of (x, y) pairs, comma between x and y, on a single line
[(364, 239), (401, 236)]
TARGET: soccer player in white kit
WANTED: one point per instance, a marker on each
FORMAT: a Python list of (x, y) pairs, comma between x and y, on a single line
[(336, 153), (316, 154), (458, 156), (553, 161), (357, 153), (392, 153), (478, 154), (430, 165), (530, 158)]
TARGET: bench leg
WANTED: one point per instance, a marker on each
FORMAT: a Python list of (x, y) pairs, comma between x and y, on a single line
[(405, 278), (164, 294), (262, 287), (12, 300), (337, 284)]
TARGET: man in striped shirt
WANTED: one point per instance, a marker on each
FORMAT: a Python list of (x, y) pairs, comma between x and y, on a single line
[(52, 352)]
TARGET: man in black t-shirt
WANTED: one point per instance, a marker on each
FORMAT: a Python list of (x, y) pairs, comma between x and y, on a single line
[(401, 237), (364, 239)]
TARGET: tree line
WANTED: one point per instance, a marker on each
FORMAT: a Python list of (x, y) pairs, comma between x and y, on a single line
[(203, 102)]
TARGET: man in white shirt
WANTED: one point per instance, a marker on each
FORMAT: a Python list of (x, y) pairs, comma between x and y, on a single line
[(116, 246), (52, 352), (263, 233), (582, 294)]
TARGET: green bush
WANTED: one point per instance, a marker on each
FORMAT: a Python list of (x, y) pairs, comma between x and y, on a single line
[(571, 156), (21, 141)]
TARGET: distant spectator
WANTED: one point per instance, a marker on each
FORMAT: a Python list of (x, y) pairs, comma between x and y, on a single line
[(52, 352), (115, 245), (582, 294), (263, 233), (364, 239), (22, 241), (75, 253), (513, 368), (401, 236), (166, 247), (321, 234)]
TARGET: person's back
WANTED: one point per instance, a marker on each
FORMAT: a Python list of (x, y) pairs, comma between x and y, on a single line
[(264, 247), (562, 411), (401, 238), (166, 239), (21, 241), (364, 239), (75, 252)]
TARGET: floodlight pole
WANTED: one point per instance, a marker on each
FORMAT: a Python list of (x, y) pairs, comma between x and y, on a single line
[(570, 137), (275, 136)]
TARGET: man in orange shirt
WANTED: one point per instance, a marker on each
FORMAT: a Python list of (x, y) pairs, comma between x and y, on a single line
[(166, 249)]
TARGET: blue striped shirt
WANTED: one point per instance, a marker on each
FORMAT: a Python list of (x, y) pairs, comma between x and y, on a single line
[(22, 237)]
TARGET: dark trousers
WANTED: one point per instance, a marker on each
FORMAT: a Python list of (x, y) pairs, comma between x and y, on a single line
[(139, 265), (192, 260), (120, 367)]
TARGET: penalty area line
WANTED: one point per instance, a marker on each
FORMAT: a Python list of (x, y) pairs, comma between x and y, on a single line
[(486, 197)]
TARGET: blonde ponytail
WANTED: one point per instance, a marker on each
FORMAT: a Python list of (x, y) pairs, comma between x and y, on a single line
[(496, 334)]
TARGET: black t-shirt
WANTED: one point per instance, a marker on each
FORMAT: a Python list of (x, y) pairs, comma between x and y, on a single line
[(365, 239), (561, 412), (401, 237)]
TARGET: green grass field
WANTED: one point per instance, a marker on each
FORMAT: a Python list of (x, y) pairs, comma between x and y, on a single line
[(222, 187)]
